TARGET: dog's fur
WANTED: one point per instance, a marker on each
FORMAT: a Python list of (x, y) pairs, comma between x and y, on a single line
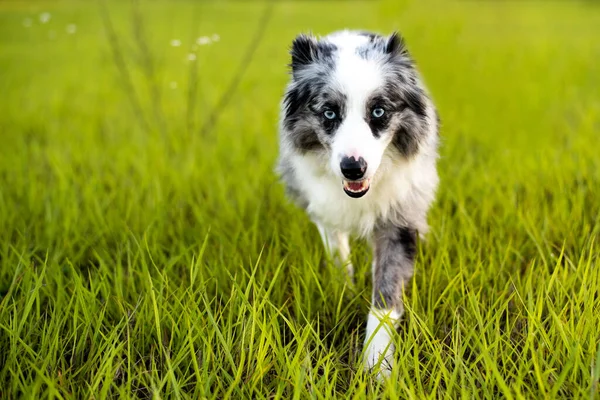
[(357, 96)]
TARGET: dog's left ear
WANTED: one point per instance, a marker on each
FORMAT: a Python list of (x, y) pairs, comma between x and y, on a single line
[(395, 45)]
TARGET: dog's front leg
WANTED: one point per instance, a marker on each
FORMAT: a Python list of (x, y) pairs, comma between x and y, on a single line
[(337, 247), (393, 260)]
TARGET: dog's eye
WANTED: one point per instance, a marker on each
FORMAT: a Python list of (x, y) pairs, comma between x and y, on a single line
[(378, 112), (329, 114)]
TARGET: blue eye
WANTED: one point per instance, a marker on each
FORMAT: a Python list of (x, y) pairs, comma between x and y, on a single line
[(378, 112), (329, 114)]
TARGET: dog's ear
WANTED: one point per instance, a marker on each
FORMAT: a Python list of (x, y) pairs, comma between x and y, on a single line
[(304, 51), (395, 45)]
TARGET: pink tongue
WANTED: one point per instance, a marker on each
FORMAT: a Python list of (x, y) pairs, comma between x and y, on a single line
[(355, 185)]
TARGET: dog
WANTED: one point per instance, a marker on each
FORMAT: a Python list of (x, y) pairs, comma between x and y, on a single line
[(358, 147)]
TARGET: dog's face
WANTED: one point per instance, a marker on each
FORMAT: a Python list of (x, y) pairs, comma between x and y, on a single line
[(353, 97)]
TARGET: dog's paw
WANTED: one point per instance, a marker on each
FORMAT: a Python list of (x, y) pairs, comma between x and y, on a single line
[(378, 355)]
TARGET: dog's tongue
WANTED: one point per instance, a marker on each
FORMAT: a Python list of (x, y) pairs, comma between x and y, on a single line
[(355, 186), (357, 189)]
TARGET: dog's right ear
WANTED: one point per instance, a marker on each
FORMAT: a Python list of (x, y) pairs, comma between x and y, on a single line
[(304, 52)]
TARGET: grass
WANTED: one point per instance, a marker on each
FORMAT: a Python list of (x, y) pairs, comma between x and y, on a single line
[(142, 256)]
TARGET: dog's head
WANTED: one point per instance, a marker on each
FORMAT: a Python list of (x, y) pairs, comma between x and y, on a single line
[(353, 97)]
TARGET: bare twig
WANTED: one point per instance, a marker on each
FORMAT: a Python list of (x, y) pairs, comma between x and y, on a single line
[(147, 64), (242, 67), (193, 82), (122, 67)]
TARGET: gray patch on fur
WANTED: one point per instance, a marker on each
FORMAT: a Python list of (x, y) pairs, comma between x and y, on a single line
[(395, 249), (292, 189)]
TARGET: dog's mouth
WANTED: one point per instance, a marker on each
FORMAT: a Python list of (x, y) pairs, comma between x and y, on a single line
[(357, 189)]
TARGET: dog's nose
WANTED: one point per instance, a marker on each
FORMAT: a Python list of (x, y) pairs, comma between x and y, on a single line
[(353, 169)]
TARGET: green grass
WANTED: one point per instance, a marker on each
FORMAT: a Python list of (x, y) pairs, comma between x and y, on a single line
[(141, 258)]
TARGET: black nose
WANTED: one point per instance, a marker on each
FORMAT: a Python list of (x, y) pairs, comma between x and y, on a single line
[(353, 169)]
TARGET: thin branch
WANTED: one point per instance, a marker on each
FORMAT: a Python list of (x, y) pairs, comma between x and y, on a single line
[(193, 81), (147, 64), (121, 65), (242, 67)]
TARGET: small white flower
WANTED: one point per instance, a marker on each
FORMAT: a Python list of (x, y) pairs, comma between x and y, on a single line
[(202, 40), (45, 17), (191, 57), (173, 85), (27, 22), (175, 42), (215, 37), (71, 29)]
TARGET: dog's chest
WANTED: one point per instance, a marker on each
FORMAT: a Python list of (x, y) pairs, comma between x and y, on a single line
[(329, 205)]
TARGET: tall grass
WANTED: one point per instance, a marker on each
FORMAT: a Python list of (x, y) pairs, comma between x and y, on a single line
[(160, 259)]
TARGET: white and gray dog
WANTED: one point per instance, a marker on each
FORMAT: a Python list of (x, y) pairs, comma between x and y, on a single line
[(358, 151)]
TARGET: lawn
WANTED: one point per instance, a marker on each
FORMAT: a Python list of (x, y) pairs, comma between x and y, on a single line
[(147, 249)]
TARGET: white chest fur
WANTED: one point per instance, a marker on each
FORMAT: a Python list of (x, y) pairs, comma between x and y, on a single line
[(399, 188)]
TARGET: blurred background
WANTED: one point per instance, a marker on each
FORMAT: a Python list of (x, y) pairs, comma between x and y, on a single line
[(126, 113), (137, 145)]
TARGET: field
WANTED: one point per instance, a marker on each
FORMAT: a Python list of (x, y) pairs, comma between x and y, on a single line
[(147, 249)]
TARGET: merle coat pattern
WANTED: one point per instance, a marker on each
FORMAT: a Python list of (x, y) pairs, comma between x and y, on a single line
[(358, 151)]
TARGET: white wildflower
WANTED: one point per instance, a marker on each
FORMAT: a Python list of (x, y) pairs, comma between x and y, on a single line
[(71, 29), (202, 40), (215, 37), (191, 57), (45, 17), (27, 22), (175, 42)]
